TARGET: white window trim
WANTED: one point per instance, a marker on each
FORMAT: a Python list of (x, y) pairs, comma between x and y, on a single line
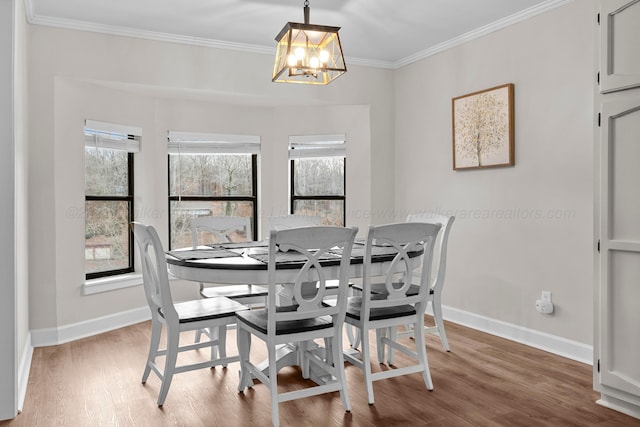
[(310, 146), (111, 283), (212, 143)]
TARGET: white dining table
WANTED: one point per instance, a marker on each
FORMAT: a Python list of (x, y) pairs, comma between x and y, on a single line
[(243, 263)]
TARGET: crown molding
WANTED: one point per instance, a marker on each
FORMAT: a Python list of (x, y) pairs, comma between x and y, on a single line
[(482, 31), (34, 19)]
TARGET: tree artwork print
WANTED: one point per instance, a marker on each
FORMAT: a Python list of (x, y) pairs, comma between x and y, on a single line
[(483, 129)]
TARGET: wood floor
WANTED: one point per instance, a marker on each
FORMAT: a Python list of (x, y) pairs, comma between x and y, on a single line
[(483, 381)]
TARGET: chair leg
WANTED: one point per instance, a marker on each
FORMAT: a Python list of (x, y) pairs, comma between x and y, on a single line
[(244, 350), (393, 336), (380, 333), (366, 364), (156, 332), (353, 334), (338, 359), (221, 344), (198, 336), (328, 349), (437, 317), (421, 350), (173, 341), (303, 346), (273, 386)]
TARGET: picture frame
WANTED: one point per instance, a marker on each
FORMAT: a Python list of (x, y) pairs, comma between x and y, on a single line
[(483, 128)]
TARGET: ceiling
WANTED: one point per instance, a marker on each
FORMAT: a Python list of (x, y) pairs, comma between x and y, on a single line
[(382, 33)]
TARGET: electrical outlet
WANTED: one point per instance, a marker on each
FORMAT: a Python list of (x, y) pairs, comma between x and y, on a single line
[(546, 296)]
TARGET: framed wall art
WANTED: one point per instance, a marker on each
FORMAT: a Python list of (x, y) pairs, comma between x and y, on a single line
[(483, 129)]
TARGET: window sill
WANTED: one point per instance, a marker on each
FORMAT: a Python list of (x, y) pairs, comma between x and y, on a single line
[(105, 284)]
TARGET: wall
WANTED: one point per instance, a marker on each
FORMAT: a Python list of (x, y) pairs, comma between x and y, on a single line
[(15, 352), (8, 306), (521, 229), (163, 86)]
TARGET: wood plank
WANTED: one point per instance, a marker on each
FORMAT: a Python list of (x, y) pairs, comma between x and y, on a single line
[(484, 381)]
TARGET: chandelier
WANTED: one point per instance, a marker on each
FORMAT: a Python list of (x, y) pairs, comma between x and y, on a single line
[(309, 54)]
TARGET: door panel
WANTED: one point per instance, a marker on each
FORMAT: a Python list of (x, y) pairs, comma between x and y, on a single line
[(620, 36), (619, 281)]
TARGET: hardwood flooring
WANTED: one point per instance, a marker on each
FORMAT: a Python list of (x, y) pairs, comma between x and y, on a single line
[(483, 381)]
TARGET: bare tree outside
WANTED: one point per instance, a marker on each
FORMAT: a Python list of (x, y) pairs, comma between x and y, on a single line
[(482, 128), (317, 177), (106, 221), (203, 176)]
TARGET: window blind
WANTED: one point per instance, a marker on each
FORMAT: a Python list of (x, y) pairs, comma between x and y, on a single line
[(211, 143), (308, 146), (112, 136)]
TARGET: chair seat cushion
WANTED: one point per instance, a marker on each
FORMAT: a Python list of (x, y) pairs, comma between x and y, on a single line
[(207, 309), (235, 291), (258, 319), (354, 305)]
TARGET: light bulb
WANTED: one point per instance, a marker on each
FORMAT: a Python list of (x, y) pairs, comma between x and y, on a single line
[(300, 53), (314, 62), (292, 61), (324, 56)]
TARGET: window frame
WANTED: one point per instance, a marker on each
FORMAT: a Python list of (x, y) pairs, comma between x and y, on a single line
[(214, 144), (132, 136), (314, 142)]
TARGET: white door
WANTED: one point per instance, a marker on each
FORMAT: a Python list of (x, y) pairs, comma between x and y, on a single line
[(617, 215), (619, 281)]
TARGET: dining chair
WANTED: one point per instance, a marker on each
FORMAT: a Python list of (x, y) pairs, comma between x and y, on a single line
[(309, 318), (438, 270), (284, 222), (211, 230), (385, 311), (177, 317), (219, 230)]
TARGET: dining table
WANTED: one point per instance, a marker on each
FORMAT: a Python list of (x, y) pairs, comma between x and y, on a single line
[(241, 263)]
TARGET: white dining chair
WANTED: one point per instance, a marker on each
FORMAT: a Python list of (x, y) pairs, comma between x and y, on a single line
[(385, 311), (438, 270), (212, 230), (177, 317), (284, 222), (311, 317)]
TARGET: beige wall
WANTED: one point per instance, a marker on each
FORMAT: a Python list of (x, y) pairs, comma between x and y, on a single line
[(527, 228), (502, 254), (163, 86)]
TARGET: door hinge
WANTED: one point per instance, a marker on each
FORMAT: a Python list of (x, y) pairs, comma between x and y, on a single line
[(598, 365), (598, 77), (598, 246), (599, 118), (598, 18)]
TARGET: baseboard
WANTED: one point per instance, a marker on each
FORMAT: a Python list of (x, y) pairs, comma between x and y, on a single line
[(75, 331), (557, 345), (619, 405), (553, 344), (23, 371)]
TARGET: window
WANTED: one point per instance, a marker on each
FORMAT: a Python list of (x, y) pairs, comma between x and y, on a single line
[(318, 177), (211, 174), (109, 152)]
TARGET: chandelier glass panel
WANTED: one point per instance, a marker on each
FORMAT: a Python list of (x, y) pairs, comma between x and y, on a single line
[(309, 54)]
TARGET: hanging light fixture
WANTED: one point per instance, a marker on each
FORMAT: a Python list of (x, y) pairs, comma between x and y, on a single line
[(307, 53)]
